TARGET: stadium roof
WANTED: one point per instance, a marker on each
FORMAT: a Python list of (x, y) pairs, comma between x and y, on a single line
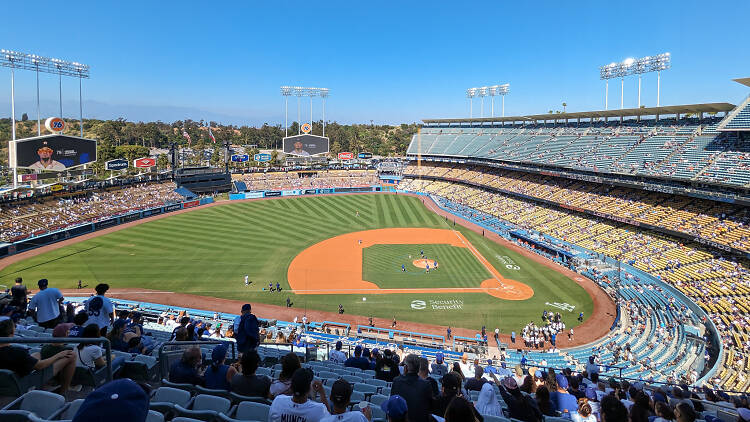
[(626, 112), (743, 81)]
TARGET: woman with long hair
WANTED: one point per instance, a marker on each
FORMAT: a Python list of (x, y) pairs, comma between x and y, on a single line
[(461, 410), (528, 385), (282, 385), (641, 409), (543, 401)]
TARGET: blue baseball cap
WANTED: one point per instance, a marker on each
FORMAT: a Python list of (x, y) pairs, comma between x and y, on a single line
[(358, 350), (119, 400), (439, 357), (562, 381), (395, 406), (219, 353)]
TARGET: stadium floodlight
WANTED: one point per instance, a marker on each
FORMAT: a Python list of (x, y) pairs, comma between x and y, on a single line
[(503, 90), (638, 67), (481, 93), (470, 94), (286, 91), (18, 60), (323, 95), (299, 92)]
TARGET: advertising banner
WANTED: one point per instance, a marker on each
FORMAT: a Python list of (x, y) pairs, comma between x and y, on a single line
[(273, 193), (143, 163), (364, 155), (240, 158), (105, 223), (310, 191), (253, 195), (173, 207), (130, 217), (52, 152), (292, 192), (117, 164), (191, 204), (346, 155), (262, 157)]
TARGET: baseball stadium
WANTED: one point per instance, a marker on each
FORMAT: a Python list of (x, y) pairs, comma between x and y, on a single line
[(601, 254)]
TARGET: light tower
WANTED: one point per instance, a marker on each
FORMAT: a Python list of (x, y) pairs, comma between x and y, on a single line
[(323, 95), (482, 92), (311, 92), (286, 91), (503, 90), (299, 92), (470, 94)]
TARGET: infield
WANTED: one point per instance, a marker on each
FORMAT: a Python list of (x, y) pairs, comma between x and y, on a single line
[(209, 250)]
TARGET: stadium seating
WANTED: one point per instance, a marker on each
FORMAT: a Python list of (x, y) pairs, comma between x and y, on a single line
[(305, 180)]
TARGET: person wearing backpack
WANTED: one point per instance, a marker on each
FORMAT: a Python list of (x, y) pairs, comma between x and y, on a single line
[(100, 309), (247, 334)]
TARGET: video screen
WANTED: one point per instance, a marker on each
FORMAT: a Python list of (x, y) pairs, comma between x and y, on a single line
[(305, 145), (53, 153)]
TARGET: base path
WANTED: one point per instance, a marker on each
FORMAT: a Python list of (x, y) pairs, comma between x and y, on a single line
[(334, 266)]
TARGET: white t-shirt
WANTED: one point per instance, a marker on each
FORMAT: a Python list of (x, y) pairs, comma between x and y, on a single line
[(85, 357), (338, 356), (100, 317), (578, 418), (284, 409), (355, 416), (46, 304)]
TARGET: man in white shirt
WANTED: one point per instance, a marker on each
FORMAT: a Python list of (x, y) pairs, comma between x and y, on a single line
[(100, 309), (297, 407), (46, 304), (341, 393), (337, 355)]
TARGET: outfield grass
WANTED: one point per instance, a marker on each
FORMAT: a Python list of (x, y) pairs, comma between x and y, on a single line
[(208, 252)]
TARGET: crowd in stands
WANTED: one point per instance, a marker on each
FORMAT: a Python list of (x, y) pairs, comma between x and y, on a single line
[(307, 180), (718, 283), (22, 219)]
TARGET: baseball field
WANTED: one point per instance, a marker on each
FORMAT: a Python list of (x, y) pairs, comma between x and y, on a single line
[(377, 255)]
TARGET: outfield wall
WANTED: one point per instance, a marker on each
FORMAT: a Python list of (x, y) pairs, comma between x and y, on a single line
[(104, 223)]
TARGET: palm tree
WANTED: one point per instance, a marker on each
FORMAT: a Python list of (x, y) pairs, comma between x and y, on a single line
[(564, 106)]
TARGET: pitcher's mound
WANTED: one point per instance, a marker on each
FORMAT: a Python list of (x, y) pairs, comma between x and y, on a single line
[(422, 263)]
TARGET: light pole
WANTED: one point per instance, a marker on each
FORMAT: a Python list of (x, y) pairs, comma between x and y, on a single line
[(503, 90), (323, 95), (482, 93), (470, 94), (492, 92), (299, 92), (286, 91), (311, 92), (638, 67)]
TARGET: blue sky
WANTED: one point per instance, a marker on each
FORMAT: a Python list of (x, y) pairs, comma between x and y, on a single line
[(390, 62)]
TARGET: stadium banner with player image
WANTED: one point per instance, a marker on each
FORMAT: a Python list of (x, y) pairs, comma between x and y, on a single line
[(52, 152), (306, 145)]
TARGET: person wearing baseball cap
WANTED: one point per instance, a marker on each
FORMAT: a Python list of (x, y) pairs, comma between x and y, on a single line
[(337, 355), (357, 361), (564, 402), (45, 160), (439, 367), (341, 393), (117, 401), (297, 407), (395, 408)]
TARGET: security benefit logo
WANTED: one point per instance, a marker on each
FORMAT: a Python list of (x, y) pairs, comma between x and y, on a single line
[(438, 305)]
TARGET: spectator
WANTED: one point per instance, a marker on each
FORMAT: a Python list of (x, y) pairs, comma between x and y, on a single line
[(46, 305), (18, 359), (417, 392), (574, 389), (439, 367), (297, 407), (592, 367), (451, 387), (357, 361), (520, 407), (119, 400), (744, 414), (543, 401), (457, 370), (584, 412), (100, 309), (219, 375), (115, 336), (247, 383), (528, 385), (685, 413), (563, 401), (640, 411), (185, 371), (612, 410), (247, 333), (663, 412), (341, 393), (337, 355), (184, 321), (386, 368), (395, 409), (682, 397), (19, 294), (424, 373), (289, 365), (487, 403), (79, 320), (91, 356), (461, 410), (475, 383), (49, 350)]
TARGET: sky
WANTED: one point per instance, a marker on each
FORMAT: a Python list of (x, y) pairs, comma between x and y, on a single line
[(386, 61)]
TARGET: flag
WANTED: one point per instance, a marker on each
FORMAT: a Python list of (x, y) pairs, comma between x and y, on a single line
[(211, 135)]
